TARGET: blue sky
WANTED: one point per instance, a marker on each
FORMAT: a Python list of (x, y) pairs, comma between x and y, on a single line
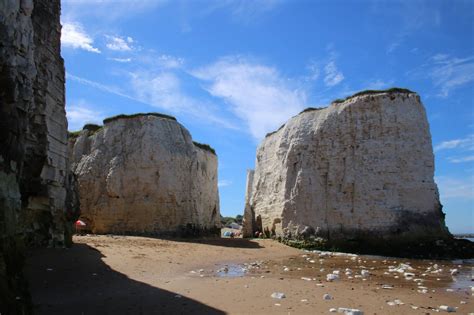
[(233, 70)]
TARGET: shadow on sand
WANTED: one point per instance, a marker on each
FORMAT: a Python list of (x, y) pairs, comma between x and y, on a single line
[(223, 242), (77, 281)]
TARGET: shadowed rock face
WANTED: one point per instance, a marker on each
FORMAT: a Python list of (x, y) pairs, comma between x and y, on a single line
[(143, 174), (36, 203), (361, 169)]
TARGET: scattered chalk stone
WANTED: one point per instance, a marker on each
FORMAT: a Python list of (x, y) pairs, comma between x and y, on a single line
[(327, 297), (277, 304), (331, 277), (305, 278), (463, 302), (332, 310), (387, 286), (449, 290), (349, 311), (278, 295), (414, 307), (304, 300), (447, 308)]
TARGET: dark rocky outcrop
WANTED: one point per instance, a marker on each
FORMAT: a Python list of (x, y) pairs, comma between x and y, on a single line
[(37, 204)]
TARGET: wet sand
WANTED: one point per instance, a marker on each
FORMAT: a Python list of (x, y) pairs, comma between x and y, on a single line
[(138, 275)]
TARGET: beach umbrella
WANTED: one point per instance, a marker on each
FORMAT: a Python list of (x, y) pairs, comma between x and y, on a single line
[(80, 223)]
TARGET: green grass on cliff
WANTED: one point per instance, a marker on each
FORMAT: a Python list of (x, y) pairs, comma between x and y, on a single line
[(206, 147), (123, 116), (371, 92)]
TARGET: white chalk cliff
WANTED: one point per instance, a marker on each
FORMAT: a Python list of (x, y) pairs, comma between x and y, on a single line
[(143, 174), (360, 169)]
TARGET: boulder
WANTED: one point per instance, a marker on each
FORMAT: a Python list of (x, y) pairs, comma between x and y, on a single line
[(360, 170), (143, 174)]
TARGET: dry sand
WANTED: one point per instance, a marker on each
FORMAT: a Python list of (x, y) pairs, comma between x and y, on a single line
[(138, 275)]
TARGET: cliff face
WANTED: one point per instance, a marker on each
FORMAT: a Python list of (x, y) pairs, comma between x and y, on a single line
[(144, 175), (36, 203), (361, 169)]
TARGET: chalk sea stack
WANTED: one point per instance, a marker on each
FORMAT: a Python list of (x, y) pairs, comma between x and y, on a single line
[(358, 173), (143, 174)]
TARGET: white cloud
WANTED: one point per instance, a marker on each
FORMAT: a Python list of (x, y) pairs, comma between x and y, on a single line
[(333, 75), (243, 10), (118, 43), (378, 85), (469, 158), (107, 10), (121, 60), (257, 94), (74, 36), (450, 187), (170, 62), (463, 143), (163, 90), (80, 114), (224, 183), (449, 73)]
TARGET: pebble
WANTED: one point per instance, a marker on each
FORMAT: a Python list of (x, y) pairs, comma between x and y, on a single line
[(447, 308), (332, 310), (387, 286), (331, 277), (349, 311), (305, 279), (327, 297), (278, 295)]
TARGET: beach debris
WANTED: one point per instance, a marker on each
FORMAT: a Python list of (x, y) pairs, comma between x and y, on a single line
[(278, 295), (364, 273), (387, 286), (306, 279), (327, 297), (331, 277), (414, 307), (304, 300), (463, 302), (277, 304), (349, 311), (332, 310), (447, 308)]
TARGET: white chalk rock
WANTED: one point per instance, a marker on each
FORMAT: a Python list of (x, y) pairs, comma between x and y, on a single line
[(144, 174), (359, 168)]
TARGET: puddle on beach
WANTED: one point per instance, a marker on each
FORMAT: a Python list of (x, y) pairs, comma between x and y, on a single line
[(231, 271)]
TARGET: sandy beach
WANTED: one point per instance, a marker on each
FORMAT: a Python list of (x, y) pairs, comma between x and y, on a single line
[(138, 275)]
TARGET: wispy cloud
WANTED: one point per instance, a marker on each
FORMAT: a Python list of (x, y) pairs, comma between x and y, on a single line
[(256, 93), (224, 183), (107, 10), (118, 43), (121, 60), (74, 36), (464, 159), (333, 75), (466, 143), (79, 113), (378, 84), (163, 90), (450, 187), (244, 10), (449, 73)]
